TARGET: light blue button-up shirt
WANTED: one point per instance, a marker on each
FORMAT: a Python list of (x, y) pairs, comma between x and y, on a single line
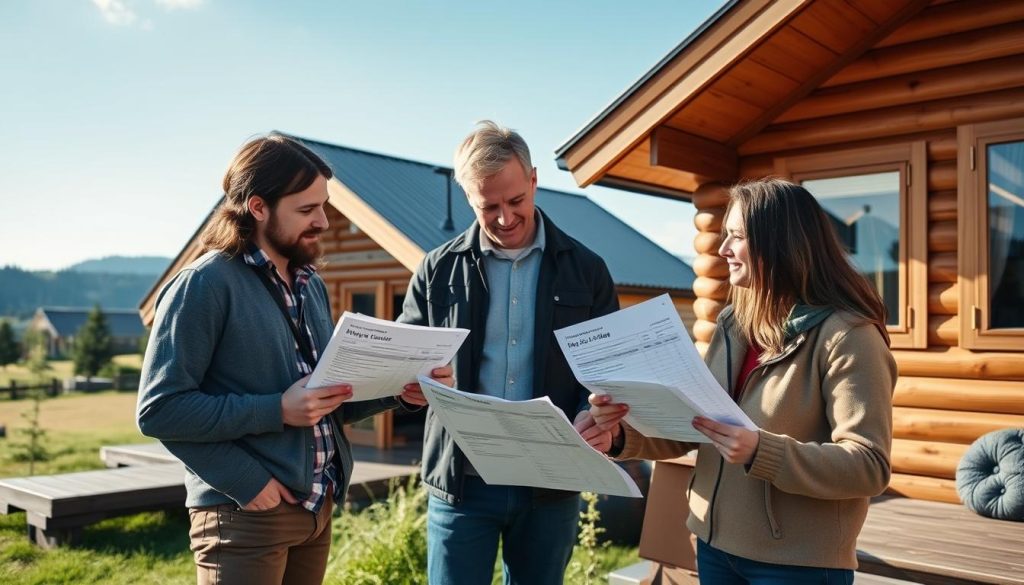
[(506, 367)]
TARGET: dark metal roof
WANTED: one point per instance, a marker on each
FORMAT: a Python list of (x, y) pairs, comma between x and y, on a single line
[(120, 322), (411, 196)]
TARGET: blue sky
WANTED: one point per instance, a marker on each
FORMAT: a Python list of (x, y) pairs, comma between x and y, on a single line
[(119, 116)]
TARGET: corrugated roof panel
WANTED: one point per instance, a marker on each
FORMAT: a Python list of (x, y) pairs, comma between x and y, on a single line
[(411, 196)]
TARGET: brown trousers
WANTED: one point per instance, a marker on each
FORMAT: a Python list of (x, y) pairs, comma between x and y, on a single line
[(285, 545)]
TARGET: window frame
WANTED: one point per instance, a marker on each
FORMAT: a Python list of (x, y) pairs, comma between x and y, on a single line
[(910, 160), (972, 231)]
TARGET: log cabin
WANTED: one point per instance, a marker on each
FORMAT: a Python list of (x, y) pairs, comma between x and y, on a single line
[(906, 119), (385, 213)]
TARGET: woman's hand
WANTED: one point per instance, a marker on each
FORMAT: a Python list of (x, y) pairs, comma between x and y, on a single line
[(736, 444)]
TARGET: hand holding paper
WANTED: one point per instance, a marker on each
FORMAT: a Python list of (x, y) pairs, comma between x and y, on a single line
[(528, 443), (377, 357), (643, 357)]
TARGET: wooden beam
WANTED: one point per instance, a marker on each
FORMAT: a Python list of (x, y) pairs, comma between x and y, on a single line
[(711, 288), (909, 119), (955, 362), (374, 225), (942, 236), (909, 88), (943, 298), (930, 458), (844, 60), (678, 150), (996, 396), (730, 39), (956, 49), (710, 265), (924, 488), (707, 309), (942, 267), (942, 175), (703, 330), (955, 17), (943, 330), (948, 426), (942, 147), (942, 206)]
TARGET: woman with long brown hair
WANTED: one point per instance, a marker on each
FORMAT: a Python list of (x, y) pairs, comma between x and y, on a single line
[(804, 351)]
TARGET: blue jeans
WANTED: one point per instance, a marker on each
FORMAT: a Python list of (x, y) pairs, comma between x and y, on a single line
[(462, 539), (716, 567)]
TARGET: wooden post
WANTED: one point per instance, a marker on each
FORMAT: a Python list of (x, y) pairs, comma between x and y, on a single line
[(712, 284)]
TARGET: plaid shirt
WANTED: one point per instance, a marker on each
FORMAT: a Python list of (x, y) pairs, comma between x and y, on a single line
[(325, 472)]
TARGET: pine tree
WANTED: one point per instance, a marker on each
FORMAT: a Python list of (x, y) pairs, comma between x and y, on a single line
[(33, 448), (9, 349), (93, 345)]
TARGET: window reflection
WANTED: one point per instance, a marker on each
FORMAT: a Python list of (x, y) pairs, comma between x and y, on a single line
[(1006, 234), (865, 210)]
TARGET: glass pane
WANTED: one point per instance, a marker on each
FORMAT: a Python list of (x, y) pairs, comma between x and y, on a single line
[(1006, 234), (865, 210), (364, 303)]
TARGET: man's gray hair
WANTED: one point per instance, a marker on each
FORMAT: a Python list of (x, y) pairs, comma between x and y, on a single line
[(486, 151)]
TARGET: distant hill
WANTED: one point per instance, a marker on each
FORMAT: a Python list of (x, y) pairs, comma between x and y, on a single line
[(23, 291), (151, 265)]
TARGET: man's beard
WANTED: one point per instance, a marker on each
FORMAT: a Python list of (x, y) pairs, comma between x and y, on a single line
[(297, 253)]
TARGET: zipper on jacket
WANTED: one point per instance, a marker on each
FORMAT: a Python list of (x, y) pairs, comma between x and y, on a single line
[(770, 512), (721, 460)]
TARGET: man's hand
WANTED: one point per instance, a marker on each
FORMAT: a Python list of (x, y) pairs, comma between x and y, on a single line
[(270, 497), (736, 444), (304, 407), (595, 436), (413, 394)]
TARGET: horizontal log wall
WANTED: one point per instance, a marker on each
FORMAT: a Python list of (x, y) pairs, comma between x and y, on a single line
[(955, 63)]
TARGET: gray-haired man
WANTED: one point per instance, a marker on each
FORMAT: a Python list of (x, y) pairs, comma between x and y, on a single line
[(512, 278)]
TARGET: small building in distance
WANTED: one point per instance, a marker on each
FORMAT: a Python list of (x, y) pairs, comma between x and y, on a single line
[(60, 325)]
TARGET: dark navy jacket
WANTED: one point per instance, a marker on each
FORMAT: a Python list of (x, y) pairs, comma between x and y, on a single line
[(449, 289)]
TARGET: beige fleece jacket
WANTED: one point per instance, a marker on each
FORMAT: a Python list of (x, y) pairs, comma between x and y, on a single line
[(825, 413)]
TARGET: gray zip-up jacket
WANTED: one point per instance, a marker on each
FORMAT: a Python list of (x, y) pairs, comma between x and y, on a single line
[(219, 357)]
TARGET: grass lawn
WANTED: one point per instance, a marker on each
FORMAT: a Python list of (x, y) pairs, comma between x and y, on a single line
[(383, 545)]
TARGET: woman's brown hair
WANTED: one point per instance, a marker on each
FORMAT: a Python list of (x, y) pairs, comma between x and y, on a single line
[(796, 258), (269, 167)]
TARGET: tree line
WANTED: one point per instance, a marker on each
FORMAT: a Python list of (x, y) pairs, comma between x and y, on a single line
[(23, 291)]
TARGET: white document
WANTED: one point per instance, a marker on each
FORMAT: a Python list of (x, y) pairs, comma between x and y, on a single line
[(643, 357), (527, 443), (379, 357)]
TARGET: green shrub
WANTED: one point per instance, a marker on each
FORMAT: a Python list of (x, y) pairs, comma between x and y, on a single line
[(385, 544)]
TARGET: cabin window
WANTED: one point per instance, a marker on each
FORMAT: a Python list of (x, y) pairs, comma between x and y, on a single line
[(865, 210), (880, 216), (992, 235)]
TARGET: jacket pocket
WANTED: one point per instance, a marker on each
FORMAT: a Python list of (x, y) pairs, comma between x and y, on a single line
[(443, 302), (571, 306), (769, 511)]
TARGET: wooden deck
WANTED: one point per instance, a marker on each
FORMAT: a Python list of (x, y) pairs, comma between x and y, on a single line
[(142, 477), (933, 542), (368, 477), (57, 506)]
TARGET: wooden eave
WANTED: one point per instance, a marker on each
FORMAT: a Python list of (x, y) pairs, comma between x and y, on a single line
[(682, 125), (343, 199)]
